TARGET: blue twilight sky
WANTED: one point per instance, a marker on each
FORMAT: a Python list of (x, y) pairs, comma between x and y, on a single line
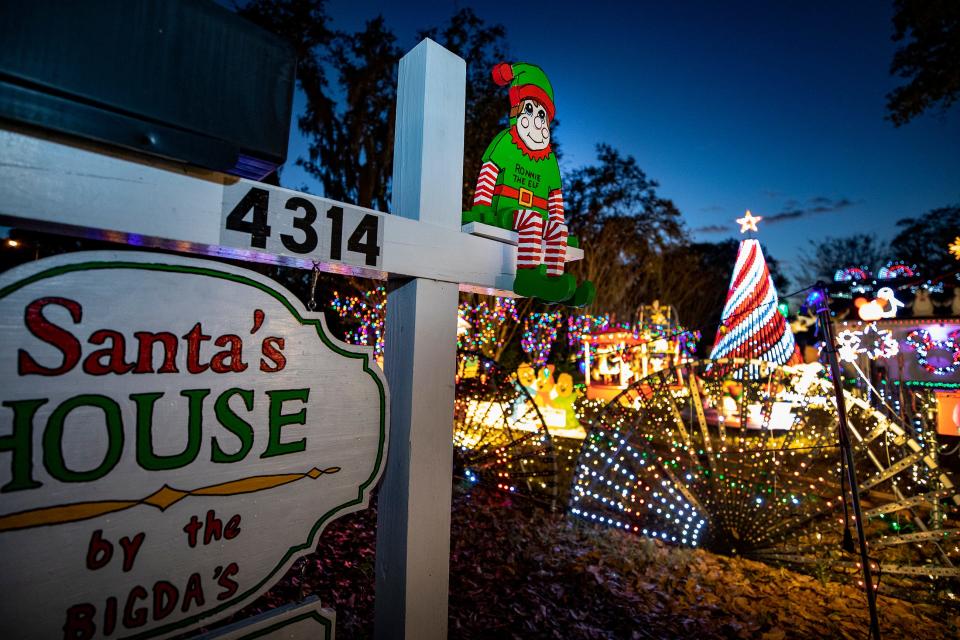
[(776, 107)]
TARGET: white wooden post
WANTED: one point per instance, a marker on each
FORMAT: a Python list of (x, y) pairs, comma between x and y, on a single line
[(413, 528)]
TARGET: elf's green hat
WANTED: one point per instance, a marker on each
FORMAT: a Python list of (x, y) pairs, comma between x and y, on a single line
[(526, 81)]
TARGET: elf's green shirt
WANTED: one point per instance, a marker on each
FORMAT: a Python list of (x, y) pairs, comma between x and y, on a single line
[(520, 171)]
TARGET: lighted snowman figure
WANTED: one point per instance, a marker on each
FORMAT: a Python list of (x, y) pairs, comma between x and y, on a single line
[(519, 188)]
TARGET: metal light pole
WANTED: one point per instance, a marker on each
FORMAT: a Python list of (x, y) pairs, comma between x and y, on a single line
[(819, 302)]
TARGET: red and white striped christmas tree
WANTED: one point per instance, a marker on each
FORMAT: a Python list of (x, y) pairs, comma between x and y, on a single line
[(751, 325)]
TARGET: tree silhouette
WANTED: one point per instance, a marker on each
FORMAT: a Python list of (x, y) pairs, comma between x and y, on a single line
[(924, 241), (353, 158), (623, 225), (351, 138), (822, 258), (929, 59)]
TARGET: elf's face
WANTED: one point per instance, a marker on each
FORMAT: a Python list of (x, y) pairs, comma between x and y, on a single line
[(533, 126)]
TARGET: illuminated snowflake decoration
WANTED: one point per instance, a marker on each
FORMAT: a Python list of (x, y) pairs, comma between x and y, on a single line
[(848, 345), (878, 343), (955, 248), (875, 343)]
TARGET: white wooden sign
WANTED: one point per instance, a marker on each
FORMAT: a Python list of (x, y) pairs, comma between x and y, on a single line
[(175, 433), (279, 222)]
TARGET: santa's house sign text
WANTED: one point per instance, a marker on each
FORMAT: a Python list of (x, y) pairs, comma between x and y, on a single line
[(174, 434)]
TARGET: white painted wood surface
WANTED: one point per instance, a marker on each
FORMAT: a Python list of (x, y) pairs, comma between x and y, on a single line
[(225, 453), (52, 186), (510, 237), (413, 528)]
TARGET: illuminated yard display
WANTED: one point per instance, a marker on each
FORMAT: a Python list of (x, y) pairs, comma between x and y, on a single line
[(921, 352), (174, 449), (616, 358), (500, 436), (885, 305), (871, 341), (659, 462), (751, 326), (852, 274)]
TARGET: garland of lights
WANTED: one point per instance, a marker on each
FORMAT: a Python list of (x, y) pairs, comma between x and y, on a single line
[(370, 310), (539, 334), (578, 325), (921, 341), (485, 320)]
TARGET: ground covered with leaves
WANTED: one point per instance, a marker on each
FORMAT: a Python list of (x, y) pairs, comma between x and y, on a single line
[(517, 572)]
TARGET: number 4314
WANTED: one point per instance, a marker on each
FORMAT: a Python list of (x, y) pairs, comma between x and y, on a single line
[(250, 216)]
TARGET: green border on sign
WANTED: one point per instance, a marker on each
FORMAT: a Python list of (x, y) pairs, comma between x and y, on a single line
[(317, 324)]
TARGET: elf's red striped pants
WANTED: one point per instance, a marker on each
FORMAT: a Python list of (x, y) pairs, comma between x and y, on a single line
[(532, 241)]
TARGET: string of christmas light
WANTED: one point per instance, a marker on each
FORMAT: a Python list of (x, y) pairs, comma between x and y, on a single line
[(750, 467), (923, 344), (580, 324), (539, 334), (485, 320), (500, 438), (369, 311)]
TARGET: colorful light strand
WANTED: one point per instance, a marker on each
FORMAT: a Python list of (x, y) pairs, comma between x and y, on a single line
[(539, 334), (485, 320), (923, 343), (369, 310)]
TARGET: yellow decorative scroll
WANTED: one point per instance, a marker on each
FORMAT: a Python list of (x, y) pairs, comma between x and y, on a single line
[(162, 499)]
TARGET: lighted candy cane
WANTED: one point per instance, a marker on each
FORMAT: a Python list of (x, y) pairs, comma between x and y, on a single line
[(923, 343)]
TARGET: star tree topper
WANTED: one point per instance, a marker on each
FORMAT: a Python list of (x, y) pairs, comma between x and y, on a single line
[(748, 222)]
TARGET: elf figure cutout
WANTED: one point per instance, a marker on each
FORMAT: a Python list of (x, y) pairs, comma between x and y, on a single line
[(519, 188)]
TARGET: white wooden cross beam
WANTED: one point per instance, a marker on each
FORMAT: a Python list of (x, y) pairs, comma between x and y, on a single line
[(53, 185)]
